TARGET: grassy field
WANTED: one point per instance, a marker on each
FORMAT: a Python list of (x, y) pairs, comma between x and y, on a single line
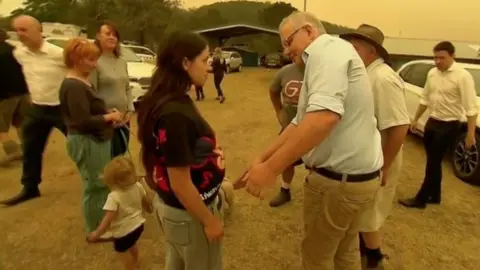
[(47, 233)]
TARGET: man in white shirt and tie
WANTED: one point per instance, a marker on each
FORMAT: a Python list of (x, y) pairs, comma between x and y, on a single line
[(44, 70), (449, 94)]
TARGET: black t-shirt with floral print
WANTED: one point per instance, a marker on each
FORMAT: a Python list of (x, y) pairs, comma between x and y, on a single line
[(185, 139)]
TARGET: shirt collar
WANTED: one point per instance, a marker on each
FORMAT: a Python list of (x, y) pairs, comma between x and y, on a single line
[(375, 64), (453, 66), (44, 48), (318, 43)]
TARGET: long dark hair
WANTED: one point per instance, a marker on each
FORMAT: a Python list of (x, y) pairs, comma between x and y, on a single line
[(170, 81), (115, 31)]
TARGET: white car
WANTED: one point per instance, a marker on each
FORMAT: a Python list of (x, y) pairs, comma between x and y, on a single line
[(143, 53), (139, 72), (233, 60), (466, 164)]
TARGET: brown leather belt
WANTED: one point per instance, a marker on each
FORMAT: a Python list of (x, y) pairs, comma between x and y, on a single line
[(349, 177)]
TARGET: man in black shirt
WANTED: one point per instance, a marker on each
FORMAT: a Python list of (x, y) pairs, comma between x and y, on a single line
[(14, 99)]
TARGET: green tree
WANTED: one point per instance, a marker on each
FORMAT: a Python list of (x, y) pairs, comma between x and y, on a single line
[(272, 16)]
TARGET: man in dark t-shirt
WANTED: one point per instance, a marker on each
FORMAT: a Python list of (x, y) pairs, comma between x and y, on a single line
[(14, 99), (284, 93)]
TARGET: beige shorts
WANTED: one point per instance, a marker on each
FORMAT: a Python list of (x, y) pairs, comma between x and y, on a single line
[(374, 217), (12, 111)]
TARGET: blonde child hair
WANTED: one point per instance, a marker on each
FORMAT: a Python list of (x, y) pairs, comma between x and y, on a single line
[(120, 173)]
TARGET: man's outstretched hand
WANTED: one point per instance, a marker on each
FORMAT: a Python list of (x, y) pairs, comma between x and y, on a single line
[(241, 182)]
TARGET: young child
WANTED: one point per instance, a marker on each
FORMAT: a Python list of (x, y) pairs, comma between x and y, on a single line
[(123, 210)]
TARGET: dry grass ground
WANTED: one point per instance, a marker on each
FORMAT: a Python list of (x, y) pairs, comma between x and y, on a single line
[(47, 233)]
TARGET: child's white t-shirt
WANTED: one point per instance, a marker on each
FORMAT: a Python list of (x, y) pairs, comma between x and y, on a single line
[(128, 205)]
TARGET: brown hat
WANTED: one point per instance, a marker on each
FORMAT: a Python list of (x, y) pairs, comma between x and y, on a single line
[(370, 34)]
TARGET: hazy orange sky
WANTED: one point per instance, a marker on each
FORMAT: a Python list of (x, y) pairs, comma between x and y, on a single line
[(437, 19)]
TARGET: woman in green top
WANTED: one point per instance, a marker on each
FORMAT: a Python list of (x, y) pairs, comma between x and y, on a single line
[(110, 79), (90, 127)]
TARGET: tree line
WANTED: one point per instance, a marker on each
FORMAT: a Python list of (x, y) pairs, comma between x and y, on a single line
[(147, 21)]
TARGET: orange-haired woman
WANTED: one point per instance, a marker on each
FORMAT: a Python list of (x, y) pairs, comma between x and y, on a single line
[(90, 127)]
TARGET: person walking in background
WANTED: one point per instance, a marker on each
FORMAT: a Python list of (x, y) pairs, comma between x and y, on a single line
[(336, 101), (44, 70), (183, 161), (219, 68), (284, 93), (393, 122), (14, 100), (90, 127), (450, 95), (110, 80), (199, 93), (123, 210)]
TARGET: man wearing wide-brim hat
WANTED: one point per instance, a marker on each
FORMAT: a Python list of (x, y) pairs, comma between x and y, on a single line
[(393, 122)]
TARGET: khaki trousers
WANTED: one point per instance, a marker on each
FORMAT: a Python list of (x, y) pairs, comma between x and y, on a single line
[(331, 213)]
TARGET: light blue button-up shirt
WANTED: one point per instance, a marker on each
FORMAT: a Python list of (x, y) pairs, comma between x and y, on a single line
[(337, 80)]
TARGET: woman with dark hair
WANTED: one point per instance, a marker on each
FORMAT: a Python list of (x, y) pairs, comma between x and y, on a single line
[(182, 160), (110, 79), (219, 67)]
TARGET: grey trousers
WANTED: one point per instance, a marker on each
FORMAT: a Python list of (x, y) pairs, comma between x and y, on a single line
[(187, 245)]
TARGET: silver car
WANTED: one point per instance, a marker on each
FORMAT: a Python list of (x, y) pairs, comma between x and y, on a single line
[(233, 61)]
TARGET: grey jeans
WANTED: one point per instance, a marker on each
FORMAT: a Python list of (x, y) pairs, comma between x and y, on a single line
[(187, 245)]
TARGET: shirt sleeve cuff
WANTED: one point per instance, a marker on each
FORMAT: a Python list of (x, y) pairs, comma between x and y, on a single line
[(394, 123), (472, 112), (327, 103), (423, 102), (295, 121)]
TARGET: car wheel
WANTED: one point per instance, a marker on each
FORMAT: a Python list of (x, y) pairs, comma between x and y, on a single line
[(466, 163)]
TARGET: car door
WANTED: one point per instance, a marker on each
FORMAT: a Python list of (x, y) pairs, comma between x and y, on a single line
[(415, 76), (235, 61)]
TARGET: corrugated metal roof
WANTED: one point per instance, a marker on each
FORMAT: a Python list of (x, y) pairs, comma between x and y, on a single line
[(424, 47)]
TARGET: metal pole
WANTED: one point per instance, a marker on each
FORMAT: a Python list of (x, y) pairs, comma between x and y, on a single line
[(305, 5)]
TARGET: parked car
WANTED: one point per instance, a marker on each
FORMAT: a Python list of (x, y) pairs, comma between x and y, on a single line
[(276, 60), (144, 53), (466, 163), (139, 72), (233, 61)]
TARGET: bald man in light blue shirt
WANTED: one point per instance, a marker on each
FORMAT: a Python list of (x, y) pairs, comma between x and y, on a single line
[(335, 131)]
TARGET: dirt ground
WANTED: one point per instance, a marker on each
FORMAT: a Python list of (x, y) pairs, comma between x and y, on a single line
[(47, 233)]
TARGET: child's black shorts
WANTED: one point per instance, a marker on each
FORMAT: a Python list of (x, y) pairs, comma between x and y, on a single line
[(124, 243)]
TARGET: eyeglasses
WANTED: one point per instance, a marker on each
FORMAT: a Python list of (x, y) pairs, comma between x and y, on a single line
[(288, 41)]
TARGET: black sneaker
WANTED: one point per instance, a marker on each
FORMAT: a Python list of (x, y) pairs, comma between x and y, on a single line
[(282, 198), (412, 203), (23, 196)]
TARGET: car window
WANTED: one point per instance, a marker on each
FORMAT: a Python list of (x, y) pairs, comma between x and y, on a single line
[(128, 55), (226, 55), (141, 50), (476, 77), (405, 71), (417, 74), (58, 42), (236, 55)]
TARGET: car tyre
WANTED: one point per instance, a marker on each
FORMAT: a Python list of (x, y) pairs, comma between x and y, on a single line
[(466, 164)]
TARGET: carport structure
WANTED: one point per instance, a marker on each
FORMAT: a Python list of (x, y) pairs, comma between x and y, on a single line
[(223, 33)]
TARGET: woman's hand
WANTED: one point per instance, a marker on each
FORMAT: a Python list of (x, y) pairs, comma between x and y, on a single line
[(114, 116), (213, 229)]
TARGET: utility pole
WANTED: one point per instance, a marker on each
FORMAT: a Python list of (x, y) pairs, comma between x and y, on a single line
[(305, 5)]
